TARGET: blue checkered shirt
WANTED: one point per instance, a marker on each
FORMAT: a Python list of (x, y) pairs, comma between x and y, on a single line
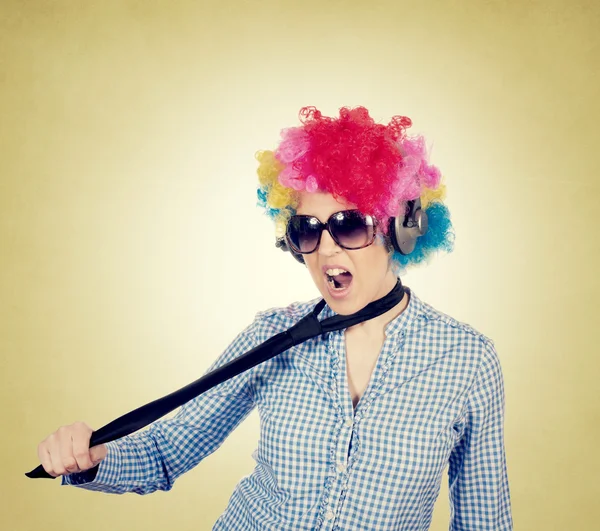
[(435, 399)]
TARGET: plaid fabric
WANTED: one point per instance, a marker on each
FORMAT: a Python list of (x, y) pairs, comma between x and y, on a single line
[(435, 399)]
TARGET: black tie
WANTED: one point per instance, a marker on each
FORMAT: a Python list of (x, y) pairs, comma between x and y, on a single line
[(308, 327)]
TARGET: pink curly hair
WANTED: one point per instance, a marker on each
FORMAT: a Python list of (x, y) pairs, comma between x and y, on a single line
[(377, 167), (372, 165)]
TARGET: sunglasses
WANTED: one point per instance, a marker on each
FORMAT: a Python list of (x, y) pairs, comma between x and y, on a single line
[(350, 229)]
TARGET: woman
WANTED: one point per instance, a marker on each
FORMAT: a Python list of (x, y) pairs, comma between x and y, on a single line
[(356, 426)]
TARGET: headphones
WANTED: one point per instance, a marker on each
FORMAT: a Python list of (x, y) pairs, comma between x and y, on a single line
[(403, 234)]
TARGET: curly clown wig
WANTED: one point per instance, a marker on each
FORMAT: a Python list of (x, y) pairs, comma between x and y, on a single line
[(374, 166)]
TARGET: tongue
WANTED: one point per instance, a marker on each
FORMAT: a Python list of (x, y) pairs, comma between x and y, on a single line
[(343, 278)]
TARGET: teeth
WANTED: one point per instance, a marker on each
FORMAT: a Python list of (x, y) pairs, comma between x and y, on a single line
[(333, 272)]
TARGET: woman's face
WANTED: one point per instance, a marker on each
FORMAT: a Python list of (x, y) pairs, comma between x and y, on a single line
[(372, 276)]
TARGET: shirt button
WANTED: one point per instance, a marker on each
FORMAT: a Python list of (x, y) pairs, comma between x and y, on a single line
[(341, 467), (348, 421), (328, 515)]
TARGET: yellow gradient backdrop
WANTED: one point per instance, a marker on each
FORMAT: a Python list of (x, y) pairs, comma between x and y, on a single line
[(132, 252)]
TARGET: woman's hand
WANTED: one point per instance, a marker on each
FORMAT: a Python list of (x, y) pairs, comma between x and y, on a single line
[(67, 450)]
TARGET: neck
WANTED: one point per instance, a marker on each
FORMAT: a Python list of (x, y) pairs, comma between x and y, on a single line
[(376, 327)]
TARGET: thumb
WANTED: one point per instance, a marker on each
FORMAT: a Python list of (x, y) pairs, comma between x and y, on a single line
[(98, 453)]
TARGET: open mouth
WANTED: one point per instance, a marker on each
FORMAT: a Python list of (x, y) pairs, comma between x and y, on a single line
[(338, 279)]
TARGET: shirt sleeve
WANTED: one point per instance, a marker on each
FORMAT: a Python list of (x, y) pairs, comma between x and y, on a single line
[(477, 473), (152, 459)]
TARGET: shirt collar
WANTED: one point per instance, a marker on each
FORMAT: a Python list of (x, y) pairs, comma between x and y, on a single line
[(400, 323)]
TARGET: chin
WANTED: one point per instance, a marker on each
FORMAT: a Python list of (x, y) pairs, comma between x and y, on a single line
[(345, 306)]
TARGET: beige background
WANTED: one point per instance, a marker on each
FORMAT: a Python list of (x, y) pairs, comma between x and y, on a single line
[(128, 220)]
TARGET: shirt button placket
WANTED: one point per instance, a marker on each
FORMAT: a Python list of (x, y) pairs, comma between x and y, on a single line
[(344, 443), (327, 522), (340, 468)]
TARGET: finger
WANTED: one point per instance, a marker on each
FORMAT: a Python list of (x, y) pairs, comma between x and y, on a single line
[(81, 446), (98, 453), (65, 445), (45, 460), (54, 450)]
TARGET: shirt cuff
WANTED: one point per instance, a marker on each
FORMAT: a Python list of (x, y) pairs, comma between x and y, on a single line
[(103, 477)]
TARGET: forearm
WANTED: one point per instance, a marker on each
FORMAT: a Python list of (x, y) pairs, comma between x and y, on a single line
[(478, 478), (151, 460), (133, 464)]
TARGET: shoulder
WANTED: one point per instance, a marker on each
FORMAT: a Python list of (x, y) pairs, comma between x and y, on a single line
[(443, 321), (468, 346), (438, 322)]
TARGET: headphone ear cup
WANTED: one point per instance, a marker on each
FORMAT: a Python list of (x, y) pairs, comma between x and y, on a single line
[(404, 234)]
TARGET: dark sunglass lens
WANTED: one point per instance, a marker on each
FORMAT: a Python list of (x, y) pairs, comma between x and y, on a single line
[(303, 234), (352, 229)]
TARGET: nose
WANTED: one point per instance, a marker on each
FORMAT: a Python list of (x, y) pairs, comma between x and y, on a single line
[(327, 246)]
